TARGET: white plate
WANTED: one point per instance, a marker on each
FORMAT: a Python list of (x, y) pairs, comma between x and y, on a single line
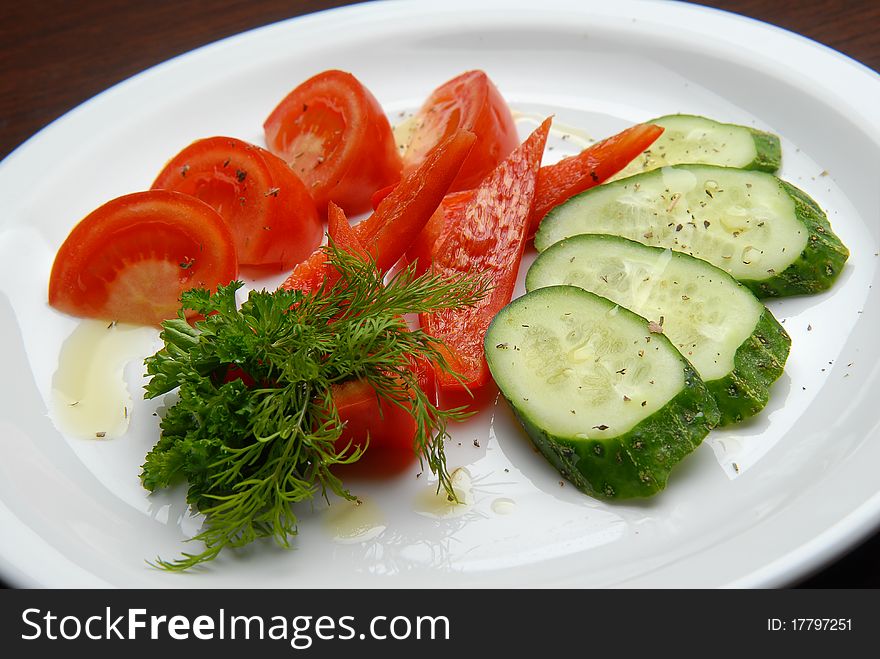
[(756, 505)]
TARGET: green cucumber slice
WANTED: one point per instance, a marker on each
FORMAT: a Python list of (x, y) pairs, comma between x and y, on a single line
[(733, 341), (765, 232), (613, 406), (689, 138)]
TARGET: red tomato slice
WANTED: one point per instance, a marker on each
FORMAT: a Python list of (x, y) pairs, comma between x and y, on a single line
[(468, 102), (130, 259), (488, 238), (272, 217), (334, 135)]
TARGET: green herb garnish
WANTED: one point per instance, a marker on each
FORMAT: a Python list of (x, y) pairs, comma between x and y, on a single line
[(254, 428)]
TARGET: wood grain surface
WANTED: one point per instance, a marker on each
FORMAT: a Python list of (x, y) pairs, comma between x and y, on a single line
[(55, 54)]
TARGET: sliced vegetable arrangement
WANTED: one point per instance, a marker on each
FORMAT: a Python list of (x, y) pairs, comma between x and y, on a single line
[(619, 360), (489, 237), (609, 401), (699, 140), (249, 452), (732, 340), (765, 232)]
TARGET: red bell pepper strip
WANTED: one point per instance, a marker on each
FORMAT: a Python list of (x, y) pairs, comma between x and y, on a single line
[(592, 166), (486, 238), (400, 217), (556, 183), (421, 250), (310, 278), (380, 194)]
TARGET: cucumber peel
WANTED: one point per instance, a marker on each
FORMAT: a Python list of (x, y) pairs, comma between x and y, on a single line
[(609, 402), (693, 139), (732, 340), (767, 233)]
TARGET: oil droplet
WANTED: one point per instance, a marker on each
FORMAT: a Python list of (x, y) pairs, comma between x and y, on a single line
[(503, 506), (434, 503), (90, 398), (350, 522), (403, 133)]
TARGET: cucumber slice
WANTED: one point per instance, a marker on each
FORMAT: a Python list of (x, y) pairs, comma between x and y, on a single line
[(610, 404), (689, 138), (765, 232), (730, 338)]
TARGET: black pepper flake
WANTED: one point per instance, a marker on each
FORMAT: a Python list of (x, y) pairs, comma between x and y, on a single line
[(184, 170), (187, 263), (241, 175), (477, 443), (601, 427)]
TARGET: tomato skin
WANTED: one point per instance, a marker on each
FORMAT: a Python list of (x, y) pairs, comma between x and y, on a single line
[(336, 138), (469, 102), (130, 259), (273, 219), (486, 237), (400, 216)]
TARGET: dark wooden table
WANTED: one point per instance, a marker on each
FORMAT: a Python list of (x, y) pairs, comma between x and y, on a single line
[(55, 54)]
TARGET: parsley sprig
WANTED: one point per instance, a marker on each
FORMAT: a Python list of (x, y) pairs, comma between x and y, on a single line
[(254, 428)]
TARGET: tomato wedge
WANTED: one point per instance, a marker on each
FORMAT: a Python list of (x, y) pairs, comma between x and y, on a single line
[(271, 214), (335, 136), (487, 237), (467, 102), (400, 217), (590, 167), (130, 259)]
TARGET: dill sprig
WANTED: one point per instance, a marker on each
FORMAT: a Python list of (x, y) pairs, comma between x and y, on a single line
[(254, 428)]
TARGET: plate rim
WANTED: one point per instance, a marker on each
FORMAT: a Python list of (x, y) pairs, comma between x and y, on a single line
[(853, 528)]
